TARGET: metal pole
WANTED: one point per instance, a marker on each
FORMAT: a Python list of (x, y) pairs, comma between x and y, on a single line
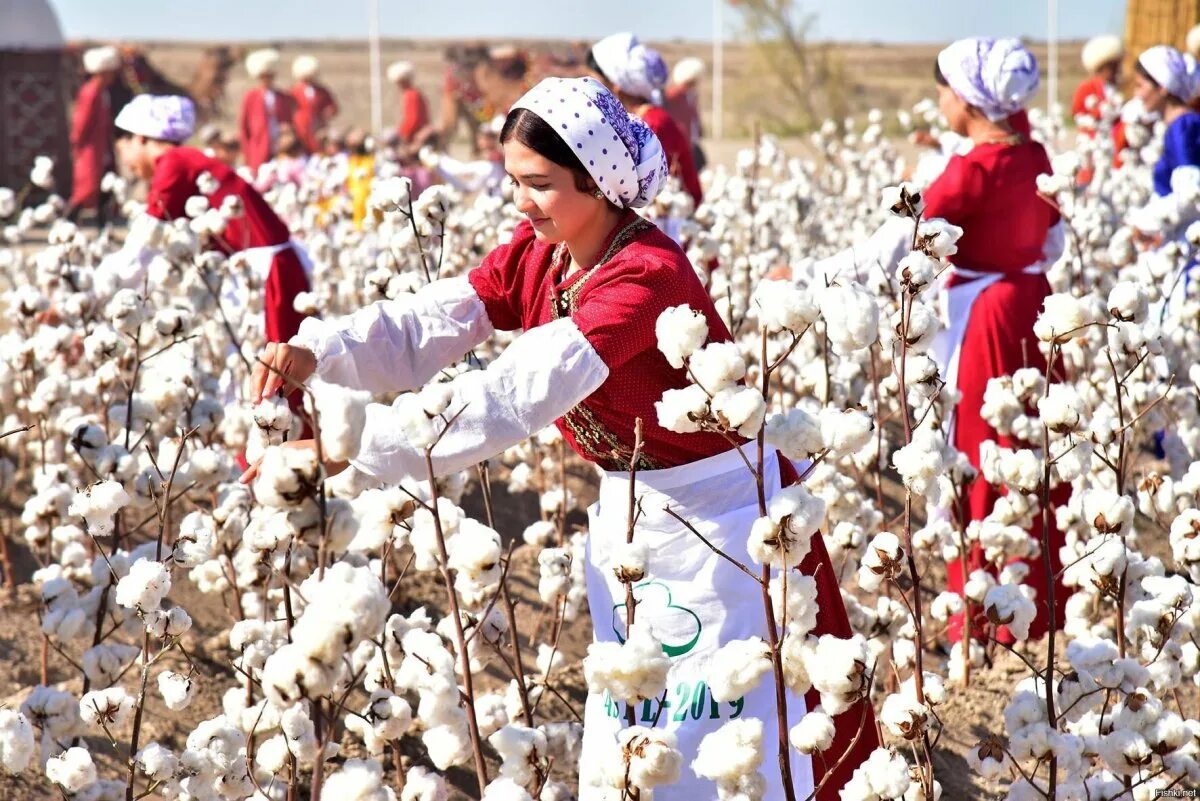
[(376, 69), (1052, 48), (718, 71)]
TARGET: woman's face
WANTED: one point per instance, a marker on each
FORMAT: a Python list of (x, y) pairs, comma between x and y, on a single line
[(134, 154), (545, 192), (954, 109), (1153, 96)]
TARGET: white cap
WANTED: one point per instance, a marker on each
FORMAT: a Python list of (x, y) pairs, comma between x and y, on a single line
[(687, 70), (262, 62), (1101, 50), (305, 67), (170, 118), (496, 125), (399, 70), (101, 59), (1193, 40)]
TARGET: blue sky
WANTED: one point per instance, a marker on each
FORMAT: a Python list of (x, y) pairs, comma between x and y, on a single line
[(860, 20)]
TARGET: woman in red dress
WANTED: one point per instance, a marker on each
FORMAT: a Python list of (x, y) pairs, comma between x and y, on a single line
[(92, 132), (587, 279), (997, 285), (637, 74)]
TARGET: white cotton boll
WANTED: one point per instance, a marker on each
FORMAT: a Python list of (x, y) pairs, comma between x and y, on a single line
[(272, 754), (717, 365), (845, 431), (795, 433), (737, 667), (195, 206), (475, 551), (157, 763), (883, 561), (358, 780), (884, 776), (903, 716), (111, 707), (920, 462), (631, 671), (680, 332), (851, 317), (923, 325), (72, 770), (520, 749), (448, 745), (938, 238), (505, 789), (421, 784), (1021, 469), (540, 534), (16, 741), (630, 560), (741, 409), (651, 755), (177, 690), (1129, 302), (1062, 316), (903, 200), (946, 605), (1061, 409), (287, 477), (436, 398), (800, 605), (341, 414), (837, 669), (735, 749), (680, 410), (783, 306), (127, 311), (988, 758), (813, 733), (916, 270), (144, 587), (977, 585), (554, 565), (784, 537), (98, 504)]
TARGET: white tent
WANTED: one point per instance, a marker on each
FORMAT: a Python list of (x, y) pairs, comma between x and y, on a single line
[(32, 103)]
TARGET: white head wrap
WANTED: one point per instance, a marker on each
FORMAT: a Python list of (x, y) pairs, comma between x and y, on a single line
[(1101, 50), (688, 69), (996, 76), (399, 71), (262, 62), (618, 150), (1174, 71), (630, 65), (305, 67), (167, 117), (101, 59)]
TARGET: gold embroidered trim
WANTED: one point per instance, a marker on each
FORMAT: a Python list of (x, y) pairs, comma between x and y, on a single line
[(599, 443)]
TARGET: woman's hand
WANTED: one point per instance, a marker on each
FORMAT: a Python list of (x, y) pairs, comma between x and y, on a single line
[(331, 468), (279, 362)]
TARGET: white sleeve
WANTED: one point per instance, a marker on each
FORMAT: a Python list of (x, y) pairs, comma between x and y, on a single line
[(1056, 244), (541, 376), (396, 345), (882, 251)]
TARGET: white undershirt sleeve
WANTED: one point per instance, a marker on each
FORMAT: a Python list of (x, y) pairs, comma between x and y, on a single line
[(398, 345), (538, 378)]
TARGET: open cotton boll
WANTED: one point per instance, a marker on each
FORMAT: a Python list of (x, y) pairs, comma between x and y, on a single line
[(422, 784), (1062, 317), (717, 365), (1128, 302), (883, 776), (144, 587), (736, 749), (851, 317), (651, 755), (795, 433), (16, 741), (946, 605), (680, 332), (883, 561), (505, 789), (813, 733), (903, 716), (680, 410), (632, 671), (416, 424), (938, 238), (110, 708), (177, 691), (1061, 409), (287, 477), (629, 561), (916, 270), (358, 780), (98, 504), (741, 409), (837, 669), (520, 749), (72, 770), (737, 667), (341, 414), (783, 306), (845, 431), (156, 762)]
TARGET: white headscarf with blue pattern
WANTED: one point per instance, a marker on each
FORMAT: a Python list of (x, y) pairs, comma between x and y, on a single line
[(997, 76), (618, 150)]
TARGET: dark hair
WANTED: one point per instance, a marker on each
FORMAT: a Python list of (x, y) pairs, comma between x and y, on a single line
[(594, 65), (536, 134), (938, 76)]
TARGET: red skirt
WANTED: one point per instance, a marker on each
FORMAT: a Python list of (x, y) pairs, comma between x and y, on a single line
[(998, 341)]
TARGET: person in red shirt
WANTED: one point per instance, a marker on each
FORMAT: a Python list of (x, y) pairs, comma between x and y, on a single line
[(682, 102), (997, 285), (414, 128), (636, 74), (264, 110), (1101, 57), (149, 132), (587, 279), (314, 103), (92, 132)]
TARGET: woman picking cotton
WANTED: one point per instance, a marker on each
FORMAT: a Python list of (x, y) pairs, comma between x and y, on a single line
[(588, 281)]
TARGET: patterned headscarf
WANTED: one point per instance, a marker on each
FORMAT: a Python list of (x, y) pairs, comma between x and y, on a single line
[(618, 150), (170, 118), (996, 76), (1174, 71), (634, 68)]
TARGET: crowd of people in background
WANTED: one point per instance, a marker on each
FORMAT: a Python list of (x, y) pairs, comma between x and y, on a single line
[(280, 130)]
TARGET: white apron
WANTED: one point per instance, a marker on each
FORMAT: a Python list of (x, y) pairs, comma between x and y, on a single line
[(694, 602), (954, 306)]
